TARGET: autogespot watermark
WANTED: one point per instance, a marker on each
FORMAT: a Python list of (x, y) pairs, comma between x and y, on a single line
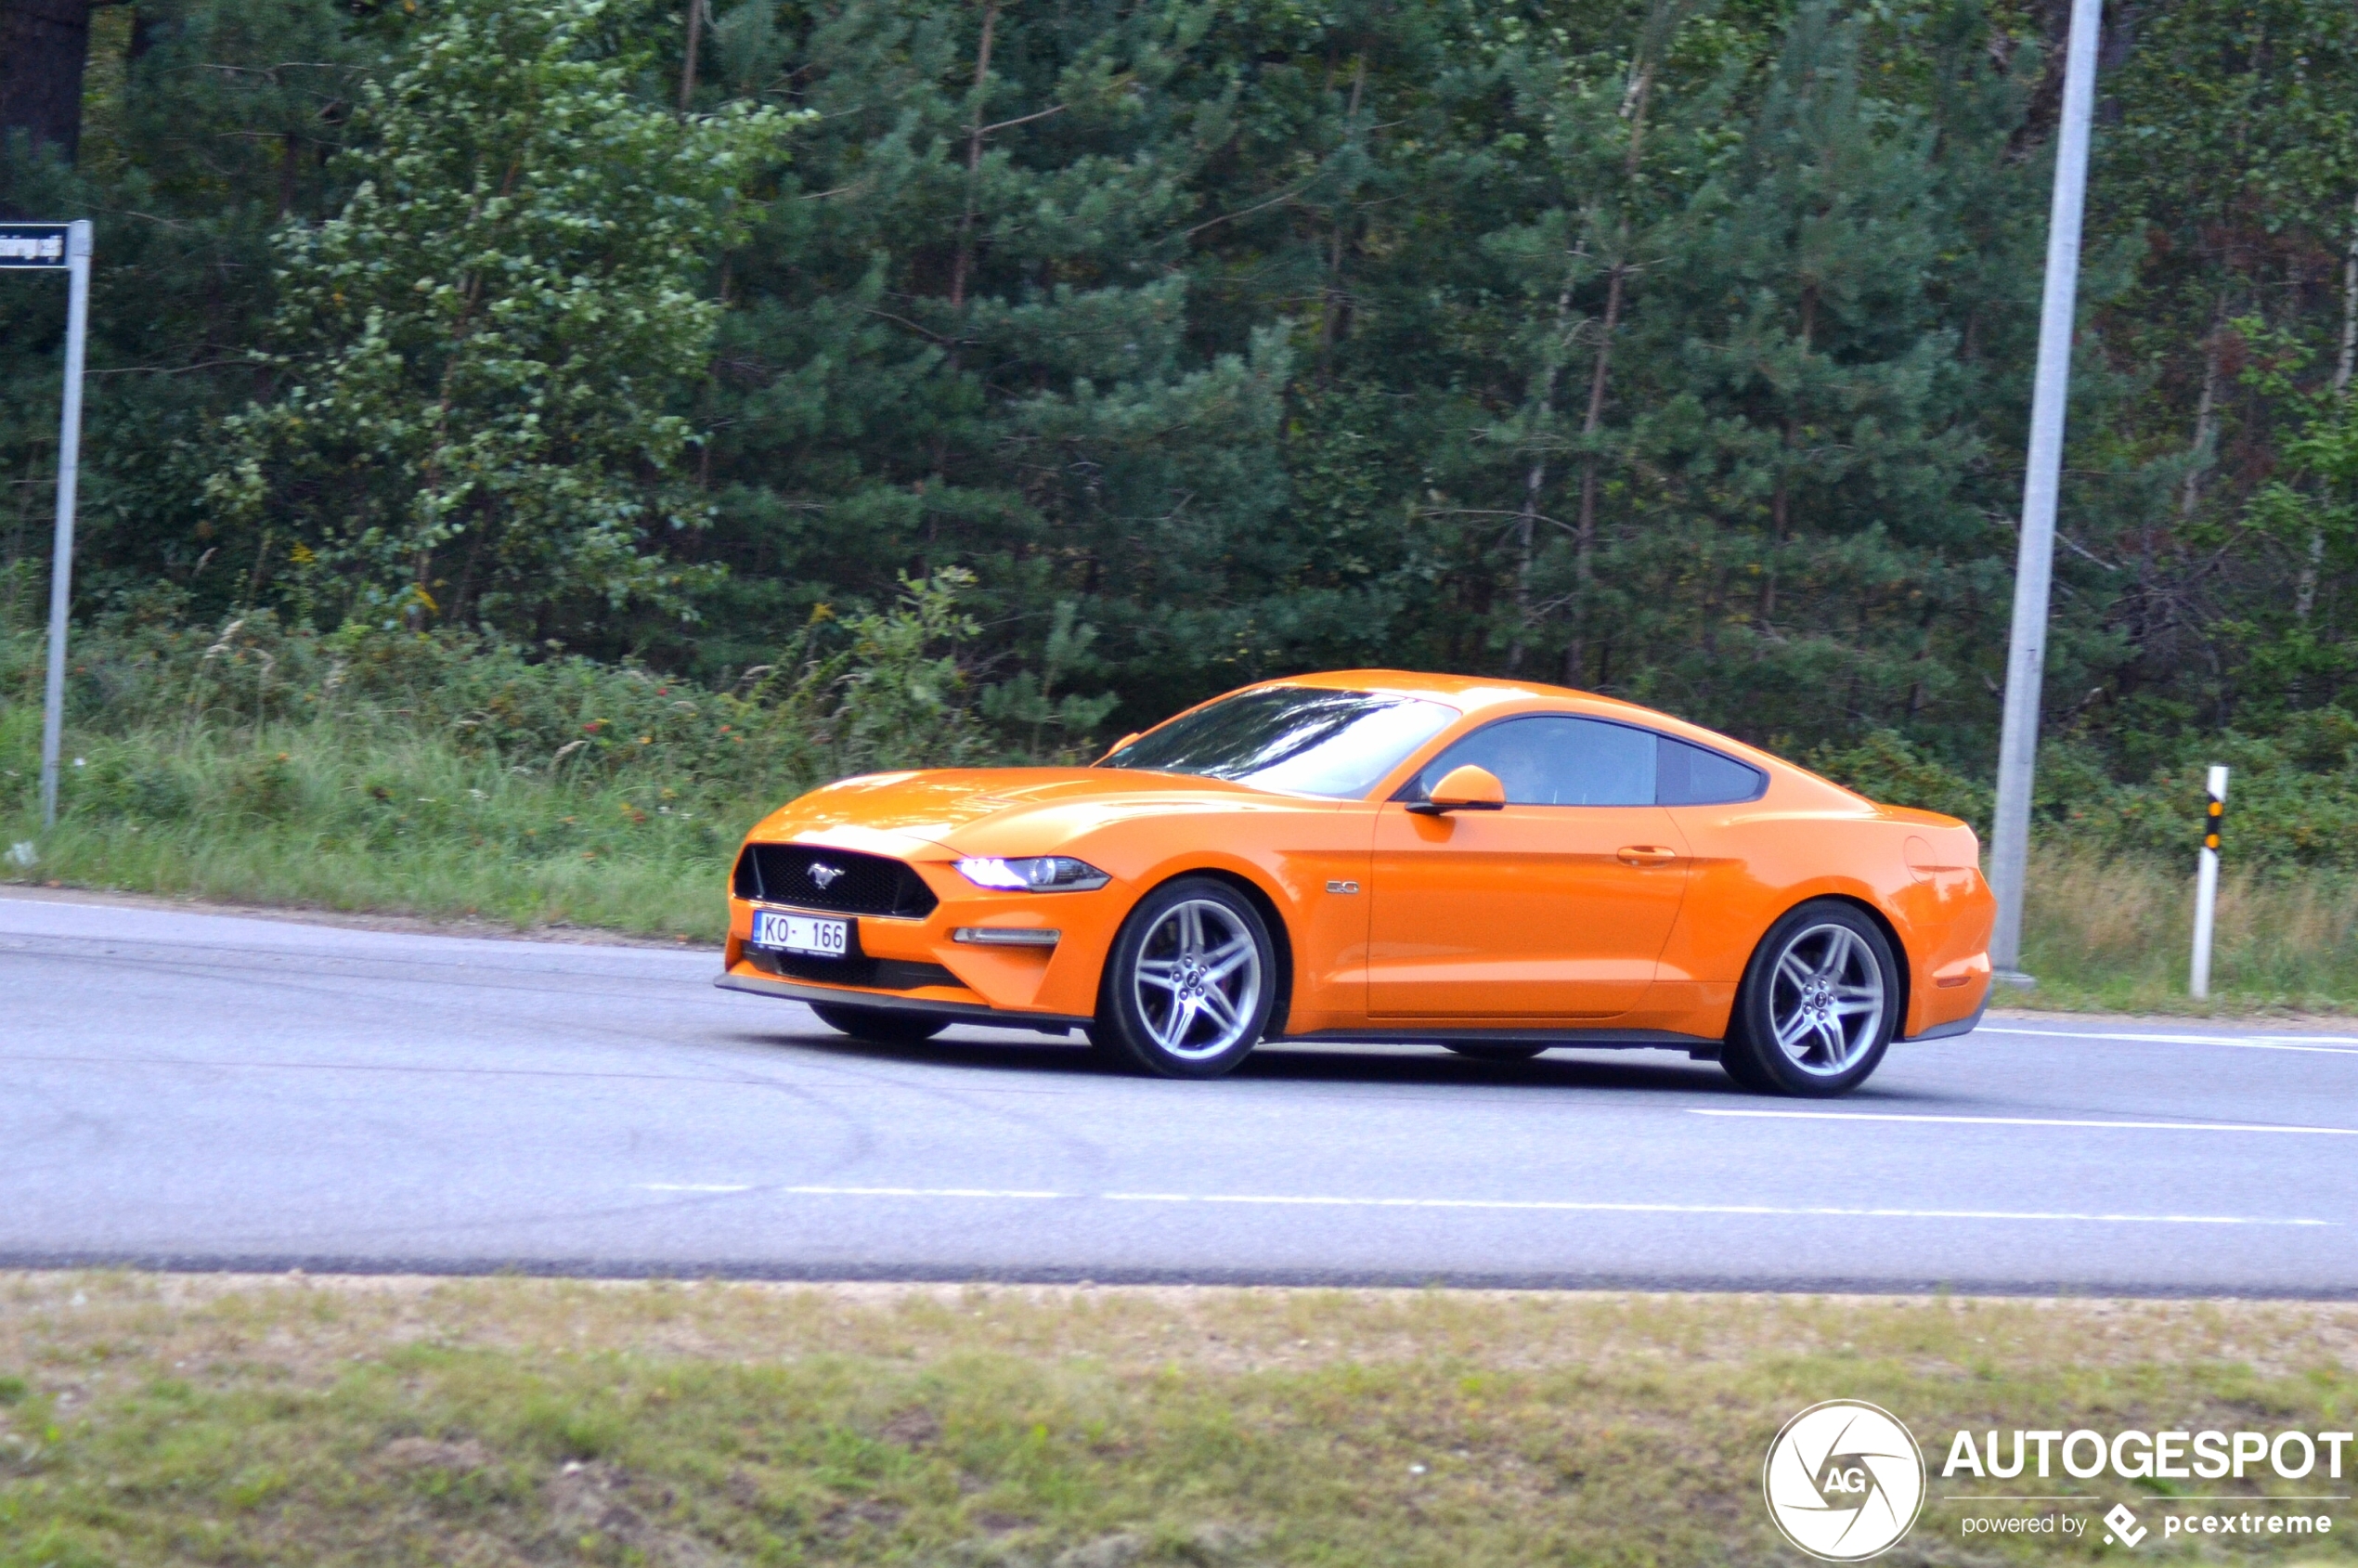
[(2158, 1459), (1844, 1480), (2160, 1456)]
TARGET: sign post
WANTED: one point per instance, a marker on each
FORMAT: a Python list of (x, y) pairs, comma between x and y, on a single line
[(2214, 817), (52, 246)]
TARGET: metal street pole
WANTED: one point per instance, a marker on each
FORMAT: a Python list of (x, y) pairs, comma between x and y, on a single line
[(2034, 567), (69, 466)]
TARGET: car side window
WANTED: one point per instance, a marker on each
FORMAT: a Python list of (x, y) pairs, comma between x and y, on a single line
[(1687, 774), (1555, 760)]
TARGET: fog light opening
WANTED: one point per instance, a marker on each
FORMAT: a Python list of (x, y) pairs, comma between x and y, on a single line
[(1005, 936)]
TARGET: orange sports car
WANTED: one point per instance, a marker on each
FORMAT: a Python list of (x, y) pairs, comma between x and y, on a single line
[(1488, 865)]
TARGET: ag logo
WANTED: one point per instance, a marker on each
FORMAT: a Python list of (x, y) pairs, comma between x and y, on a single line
[(824, 873), (1843, 1481)]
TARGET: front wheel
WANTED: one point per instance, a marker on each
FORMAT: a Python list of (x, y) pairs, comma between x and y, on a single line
[(1818, 1006), (1190, 983), (880, 1026)]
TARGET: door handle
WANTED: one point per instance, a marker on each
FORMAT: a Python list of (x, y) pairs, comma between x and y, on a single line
[(1645, 854)]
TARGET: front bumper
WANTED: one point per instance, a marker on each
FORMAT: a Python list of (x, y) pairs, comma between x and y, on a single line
[(917, 964), (932, 1007)]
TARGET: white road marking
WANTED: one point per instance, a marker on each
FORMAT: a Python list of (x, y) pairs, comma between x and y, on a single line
[(1527, 1205), (2325, 1044), (919, 1192), (696, 1186), (2030, 1121)]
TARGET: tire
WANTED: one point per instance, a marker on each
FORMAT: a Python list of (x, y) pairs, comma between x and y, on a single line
[(879, 1026), (1736, 1063), (1190, 983), (1818, 1006), (1492, 1051)]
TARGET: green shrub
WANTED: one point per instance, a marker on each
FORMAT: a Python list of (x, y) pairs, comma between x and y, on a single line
[(2292, 797)]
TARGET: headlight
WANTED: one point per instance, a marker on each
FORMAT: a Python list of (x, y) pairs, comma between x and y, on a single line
[(1034, 874)]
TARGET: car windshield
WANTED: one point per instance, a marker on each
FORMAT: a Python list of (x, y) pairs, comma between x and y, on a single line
[(1303, 740)]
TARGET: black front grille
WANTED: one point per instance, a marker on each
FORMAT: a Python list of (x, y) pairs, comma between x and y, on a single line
[(784, 873)]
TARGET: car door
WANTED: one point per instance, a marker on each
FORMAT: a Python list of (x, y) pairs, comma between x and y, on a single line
[(1555, 907)]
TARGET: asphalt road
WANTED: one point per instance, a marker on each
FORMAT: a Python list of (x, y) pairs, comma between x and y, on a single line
[(199, 1090)]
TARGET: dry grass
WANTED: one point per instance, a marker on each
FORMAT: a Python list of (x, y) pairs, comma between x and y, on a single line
[(2115, 934), (207, 1420)]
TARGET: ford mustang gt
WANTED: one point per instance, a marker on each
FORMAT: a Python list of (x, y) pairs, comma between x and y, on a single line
[(1488, 865)]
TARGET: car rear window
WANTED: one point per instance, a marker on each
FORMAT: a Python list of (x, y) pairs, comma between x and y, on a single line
[(1301, 740), (1693, 775)]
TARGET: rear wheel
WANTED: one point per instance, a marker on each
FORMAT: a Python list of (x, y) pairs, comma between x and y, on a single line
[(1494, 1051), (1189, 984), (879, 1026), (1818, 1006)]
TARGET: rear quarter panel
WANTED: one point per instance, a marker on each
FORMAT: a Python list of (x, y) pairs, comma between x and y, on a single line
[(1803, 840)]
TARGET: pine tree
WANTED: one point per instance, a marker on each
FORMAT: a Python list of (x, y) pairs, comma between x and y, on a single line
[(2236, 172), (1676, 350), (963, 333), (1804, 469)]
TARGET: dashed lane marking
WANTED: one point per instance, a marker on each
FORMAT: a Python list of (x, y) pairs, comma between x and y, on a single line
[(2322, 1045), (2029, 1122)]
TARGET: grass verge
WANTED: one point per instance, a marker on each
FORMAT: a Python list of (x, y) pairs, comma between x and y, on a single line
[(323, 815), (443, 776), (208, 1420)]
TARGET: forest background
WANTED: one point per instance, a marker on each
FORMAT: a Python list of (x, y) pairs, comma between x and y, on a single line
[(525, 435)]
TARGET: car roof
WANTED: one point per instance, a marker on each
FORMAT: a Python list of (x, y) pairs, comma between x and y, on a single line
[(1476, 694)]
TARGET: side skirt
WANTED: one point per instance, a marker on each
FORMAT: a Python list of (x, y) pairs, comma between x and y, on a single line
[(1697, 1045)]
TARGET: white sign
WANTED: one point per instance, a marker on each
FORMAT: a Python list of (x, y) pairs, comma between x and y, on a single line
[(33, 244)]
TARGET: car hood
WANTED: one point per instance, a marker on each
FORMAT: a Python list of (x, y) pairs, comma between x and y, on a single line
[(1004, 810)]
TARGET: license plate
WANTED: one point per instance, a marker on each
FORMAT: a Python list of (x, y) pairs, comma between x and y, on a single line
[(802, 933)]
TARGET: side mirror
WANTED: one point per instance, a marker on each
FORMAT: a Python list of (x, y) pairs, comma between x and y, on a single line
[(1120, 744), (1464, 790)]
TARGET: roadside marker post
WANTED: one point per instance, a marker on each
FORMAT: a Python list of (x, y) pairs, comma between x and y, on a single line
[(58, 247), (2214, 818)]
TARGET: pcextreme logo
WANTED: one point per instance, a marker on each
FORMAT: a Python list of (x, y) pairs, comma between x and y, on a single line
[(1844, 1480)]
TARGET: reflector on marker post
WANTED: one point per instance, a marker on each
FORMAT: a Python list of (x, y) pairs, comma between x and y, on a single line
[(2214, 818)]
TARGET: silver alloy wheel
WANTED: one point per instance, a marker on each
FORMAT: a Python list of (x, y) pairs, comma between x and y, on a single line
[(1197, 979), (1826, 1000)]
